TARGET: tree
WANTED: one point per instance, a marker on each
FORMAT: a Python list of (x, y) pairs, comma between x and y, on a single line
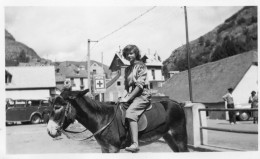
[(22, 57), (207, 43), (201, 40)]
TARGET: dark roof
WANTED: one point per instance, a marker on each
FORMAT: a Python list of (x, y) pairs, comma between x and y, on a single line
[(71, 71), (60, 77), (210, 81)]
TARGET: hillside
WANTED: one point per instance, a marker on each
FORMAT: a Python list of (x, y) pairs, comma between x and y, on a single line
[(235, 35), (17, 52)]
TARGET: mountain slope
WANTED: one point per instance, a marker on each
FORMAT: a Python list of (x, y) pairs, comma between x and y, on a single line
[(236, 35), (16, 51)]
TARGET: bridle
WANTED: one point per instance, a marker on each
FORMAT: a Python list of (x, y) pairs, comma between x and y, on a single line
[(65, 132)]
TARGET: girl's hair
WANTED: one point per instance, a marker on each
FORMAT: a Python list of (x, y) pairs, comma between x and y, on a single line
[(131, 48)]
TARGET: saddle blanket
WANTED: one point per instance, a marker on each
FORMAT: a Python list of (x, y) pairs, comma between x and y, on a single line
[(153, 116)]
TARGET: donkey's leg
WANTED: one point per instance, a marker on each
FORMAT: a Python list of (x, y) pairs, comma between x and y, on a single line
[(113, 149), (169, 140), (104, 150), (180, 138)]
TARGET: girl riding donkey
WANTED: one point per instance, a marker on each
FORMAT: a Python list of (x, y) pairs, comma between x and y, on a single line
[(165, 119)]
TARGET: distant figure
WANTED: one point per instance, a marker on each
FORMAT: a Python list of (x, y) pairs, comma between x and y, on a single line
[(230, 104), (253, 99)]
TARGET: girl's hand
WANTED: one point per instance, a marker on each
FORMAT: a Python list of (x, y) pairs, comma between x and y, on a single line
[(124, 100)]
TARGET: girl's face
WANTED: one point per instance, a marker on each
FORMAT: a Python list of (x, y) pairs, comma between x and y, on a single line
[(131, 56)]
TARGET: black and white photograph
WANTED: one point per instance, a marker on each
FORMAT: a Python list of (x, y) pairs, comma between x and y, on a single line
[(148, 79)]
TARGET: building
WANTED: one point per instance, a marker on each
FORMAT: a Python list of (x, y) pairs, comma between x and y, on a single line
[(30, 82), (96, 69), (115, 87), (77, 75), (211, 81)]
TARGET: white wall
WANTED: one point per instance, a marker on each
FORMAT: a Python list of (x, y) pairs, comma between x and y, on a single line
[(77, 83), (99, 69), (158, 74), (28, 94), (246, 86)]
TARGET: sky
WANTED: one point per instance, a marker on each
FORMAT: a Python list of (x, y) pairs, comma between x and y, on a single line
[(60, 33)]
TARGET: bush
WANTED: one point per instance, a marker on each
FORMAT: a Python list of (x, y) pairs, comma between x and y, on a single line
[(253, 19), (225, 26), (241, 21), (207, 43), (201, 40)]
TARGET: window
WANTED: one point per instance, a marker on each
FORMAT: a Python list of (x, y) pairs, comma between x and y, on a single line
[(94, 72), (45, 103), (153, 74), (8, 79), (118, 83), (57, 70), (81, 82), (151, 85), (34, 103), (72, 82)]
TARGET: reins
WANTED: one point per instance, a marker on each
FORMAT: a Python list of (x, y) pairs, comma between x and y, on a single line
[(65, 132)]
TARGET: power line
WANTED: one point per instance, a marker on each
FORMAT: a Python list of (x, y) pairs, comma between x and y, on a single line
[(127, 23), (102, 38)]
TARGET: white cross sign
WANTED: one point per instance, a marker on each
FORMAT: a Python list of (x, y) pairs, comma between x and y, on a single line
[(99, 84)]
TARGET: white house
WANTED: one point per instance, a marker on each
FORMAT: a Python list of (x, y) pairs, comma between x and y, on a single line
[(115, 87), (77, 75), (30, 82)]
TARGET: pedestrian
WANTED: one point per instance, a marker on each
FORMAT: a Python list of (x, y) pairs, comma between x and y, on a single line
[(230, 105), (138, 96), (253, 99)]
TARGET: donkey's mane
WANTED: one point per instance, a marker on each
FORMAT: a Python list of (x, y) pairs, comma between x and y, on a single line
[(100, 106)]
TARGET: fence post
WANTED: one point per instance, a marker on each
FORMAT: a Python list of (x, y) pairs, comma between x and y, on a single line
[(195, 138)]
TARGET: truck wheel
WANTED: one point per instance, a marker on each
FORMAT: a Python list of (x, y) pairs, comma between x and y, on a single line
[(36, 119), (244, 116)]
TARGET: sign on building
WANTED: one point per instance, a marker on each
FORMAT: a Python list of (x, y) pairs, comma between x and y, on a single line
[(99, 84)]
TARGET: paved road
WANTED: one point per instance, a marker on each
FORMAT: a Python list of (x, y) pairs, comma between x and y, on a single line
[(247, 142)]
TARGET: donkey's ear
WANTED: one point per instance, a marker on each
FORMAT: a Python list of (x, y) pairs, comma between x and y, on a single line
[(82, 93)]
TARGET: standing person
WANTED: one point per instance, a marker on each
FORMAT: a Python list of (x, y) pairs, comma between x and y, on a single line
[(253, 99), (138, 96), (230, 104)]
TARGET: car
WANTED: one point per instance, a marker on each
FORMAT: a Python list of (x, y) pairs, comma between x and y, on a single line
[(27, 110), (243, 115)]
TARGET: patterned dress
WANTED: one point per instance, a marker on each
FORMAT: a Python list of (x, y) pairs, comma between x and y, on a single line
[(136, 76)]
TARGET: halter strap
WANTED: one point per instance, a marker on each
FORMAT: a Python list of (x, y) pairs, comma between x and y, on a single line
[(97, 132)]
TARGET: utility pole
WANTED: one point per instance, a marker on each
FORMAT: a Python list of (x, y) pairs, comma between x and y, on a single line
[(188, 53), (89, 79), (102, 60), (101, 94)]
